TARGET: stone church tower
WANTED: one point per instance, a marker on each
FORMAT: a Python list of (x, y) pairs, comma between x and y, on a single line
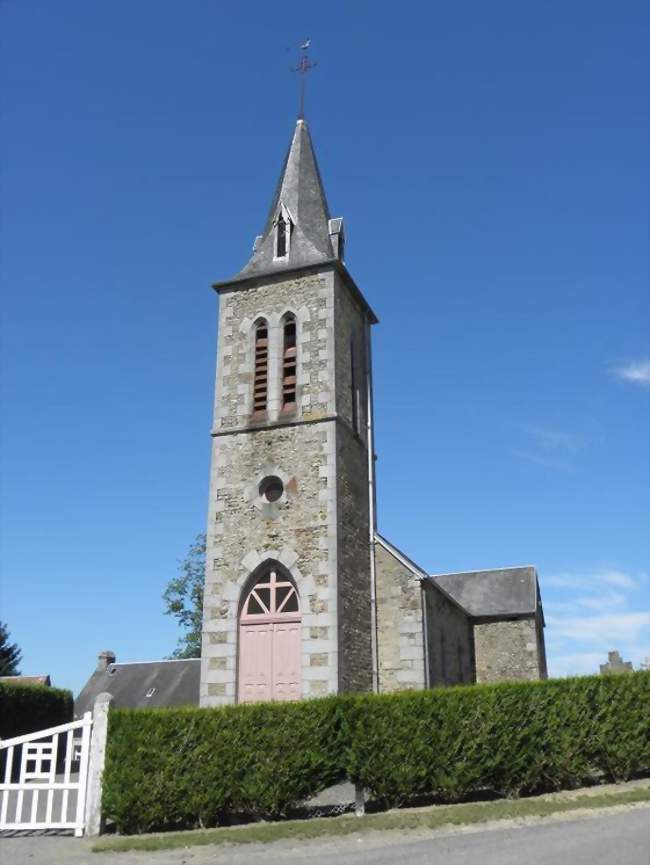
[(289, 578)]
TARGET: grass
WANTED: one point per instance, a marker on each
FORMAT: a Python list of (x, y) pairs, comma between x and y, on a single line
[(422, 818)]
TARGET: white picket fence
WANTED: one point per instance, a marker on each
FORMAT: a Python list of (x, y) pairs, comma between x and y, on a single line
[(45, 776)]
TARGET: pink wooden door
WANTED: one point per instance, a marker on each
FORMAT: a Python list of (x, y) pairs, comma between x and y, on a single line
[(255, 668), (270, 641), (286, 661)]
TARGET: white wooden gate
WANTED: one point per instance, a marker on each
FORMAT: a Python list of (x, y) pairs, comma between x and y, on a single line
[(44, 778)]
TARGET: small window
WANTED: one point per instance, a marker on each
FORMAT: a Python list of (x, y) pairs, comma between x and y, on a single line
[(289, 364), (282, 237), (260, 386), (272, 595), (271, 488)]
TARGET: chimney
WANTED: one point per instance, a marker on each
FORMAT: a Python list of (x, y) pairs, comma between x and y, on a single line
[(104, 660)]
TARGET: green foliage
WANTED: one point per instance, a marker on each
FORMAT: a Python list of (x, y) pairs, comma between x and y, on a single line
[(171, 768), (177, 768), (10, 654), (184, 599), (26, 708), (509, 739)]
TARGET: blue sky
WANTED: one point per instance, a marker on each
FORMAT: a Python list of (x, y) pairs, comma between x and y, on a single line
[(490, 161)]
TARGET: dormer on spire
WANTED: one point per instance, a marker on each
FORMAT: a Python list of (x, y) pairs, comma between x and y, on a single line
[(283, 227), (298, 231)]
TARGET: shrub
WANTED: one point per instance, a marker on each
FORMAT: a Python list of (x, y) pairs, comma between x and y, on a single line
[(26, 708), (170, 768), (510, 738)]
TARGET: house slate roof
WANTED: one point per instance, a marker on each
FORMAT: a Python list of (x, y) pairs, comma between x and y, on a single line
[(494, 592), (175, 683), (26, 680)]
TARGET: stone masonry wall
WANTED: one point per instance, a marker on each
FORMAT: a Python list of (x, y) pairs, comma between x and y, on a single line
[(355, 647), (450, 643), (507, 650), (399, 624), (300, 530), (311, 300)]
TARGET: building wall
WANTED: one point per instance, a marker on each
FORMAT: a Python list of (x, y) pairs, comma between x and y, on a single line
[(450, 643), (400, 636), (353, 531), (508, 650), (323, 512), (300, 530)]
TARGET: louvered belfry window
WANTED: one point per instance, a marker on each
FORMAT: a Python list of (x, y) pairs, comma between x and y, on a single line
[(261, 384), (289, 364)]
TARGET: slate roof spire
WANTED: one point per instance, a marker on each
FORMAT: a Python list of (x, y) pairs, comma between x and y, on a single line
[(308, 235)]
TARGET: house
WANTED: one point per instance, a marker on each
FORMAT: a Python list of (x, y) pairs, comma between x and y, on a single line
[(26, 680), (141, 684)]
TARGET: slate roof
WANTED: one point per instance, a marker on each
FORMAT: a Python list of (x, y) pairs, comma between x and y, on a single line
[(174, 683), (26, 680), (300, 190), (496, 592)]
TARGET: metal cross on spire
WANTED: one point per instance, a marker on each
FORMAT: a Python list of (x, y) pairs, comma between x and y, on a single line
[(304, 66)]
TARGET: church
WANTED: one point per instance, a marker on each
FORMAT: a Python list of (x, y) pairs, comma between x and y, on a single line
[(303, 597)]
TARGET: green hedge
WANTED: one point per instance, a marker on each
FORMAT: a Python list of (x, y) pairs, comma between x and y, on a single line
[(507, 739), (171, 768), (26, 708)]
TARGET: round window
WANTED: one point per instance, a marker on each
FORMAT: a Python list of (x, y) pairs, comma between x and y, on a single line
[(271, 488)]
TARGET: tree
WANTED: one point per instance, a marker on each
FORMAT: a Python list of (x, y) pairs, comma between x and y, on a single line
[(184, 599), (10, 654)]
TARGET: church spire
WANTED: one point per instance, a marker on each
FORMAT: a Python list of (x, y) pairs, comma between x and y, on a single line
[(298, 230)]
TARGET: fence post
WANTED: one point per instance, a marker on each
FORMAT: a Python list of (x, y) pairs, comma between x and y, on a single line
[(359, 800), (94, 824)]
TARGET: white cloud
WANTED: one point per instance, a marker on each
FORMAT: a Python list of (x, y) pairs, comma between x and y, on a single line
[(541, 459), (589, 613), (554, 440), (619, 579), (637, 372), (575, 663), (607, 601), (594, 581), (608, 629)]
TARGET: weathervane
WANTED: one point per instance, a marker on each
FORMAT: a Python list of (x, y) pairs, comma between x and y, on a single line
[(304, 66)]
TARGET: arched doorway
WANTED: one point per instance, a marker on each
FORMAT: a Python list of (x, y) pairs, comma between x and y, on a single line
[(269, 639)]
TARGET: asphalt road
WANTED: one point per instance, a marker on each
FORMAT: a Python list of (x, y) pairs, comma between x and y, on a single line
[(621, 838)]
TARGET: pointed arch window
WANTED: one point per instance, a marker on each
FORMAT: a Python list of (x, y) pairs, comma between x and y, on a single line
[(282, 233), (289, 363), (261, 375), (272, 596), (282, 236)]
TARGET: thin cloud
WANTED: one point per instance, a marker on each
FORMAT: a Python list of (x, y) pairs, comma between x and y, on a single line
[(638, 372), (542, 459), (618, 579), (608, 601), (554, 440), (551, 448), (608, 629), (594, 581)]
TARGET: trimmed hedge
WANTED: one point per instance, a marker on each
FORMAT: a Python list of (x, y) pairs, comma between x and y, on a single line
[(507, 739), (26, 708), (172, 768)]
